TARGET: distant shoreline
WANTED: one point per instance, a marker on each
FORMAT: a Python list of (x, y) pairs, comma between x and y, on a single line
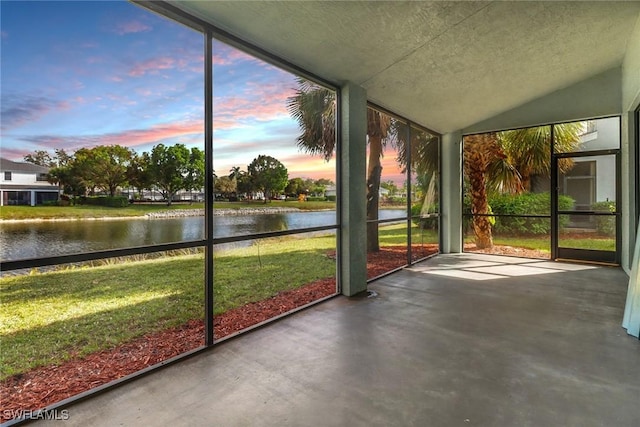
[(178, 213)]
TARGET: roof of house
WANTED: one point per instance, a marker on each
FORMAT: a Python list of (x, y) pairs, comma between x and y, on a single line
[(11, 166)]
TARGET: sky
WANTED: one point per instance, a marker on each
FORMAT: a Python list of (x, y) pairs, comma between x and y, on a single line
[(84, 73)]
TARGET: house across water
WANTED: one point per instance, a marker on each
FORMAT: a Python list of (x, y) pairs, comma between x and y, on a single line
[(24, 183)]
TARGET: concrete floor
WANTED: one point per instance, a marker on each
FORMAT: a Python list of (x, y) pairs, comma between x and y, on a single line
[(459, 340)]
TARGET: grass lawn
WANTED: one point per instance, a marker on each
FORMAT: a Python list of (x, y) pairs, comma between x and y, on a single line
[(396, 234), (50, 317), (543, 243), (50, 212)]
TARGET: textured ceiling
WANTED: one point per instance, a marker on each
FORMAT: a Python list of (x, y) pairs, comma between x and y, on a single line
[(445, 65)]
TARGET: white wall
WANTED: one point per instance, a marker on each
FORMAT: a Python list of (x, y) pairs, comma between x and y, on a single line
[(22, 178), (606, 136), (630, 101)]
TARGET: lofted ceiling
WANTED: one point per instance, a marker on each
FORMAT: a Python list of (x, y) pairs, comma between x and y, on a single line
[(445, 65)]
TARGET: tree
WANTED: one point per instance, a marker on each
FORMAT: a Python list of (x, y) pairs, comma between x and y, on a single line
[(235, 172), (225, 185), (483, 158), (528, 150), (243, 183), (268, 175), (295, 186), (195, 171), (138, 173), (314, 108), (80, 167), (41, 158), (506, 161), (168, 166), (67, 180), (103, 167), (324, 182)]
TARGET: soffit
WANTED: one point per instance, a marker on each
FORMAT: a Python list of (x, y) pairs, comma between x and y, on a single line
[(445, 65)]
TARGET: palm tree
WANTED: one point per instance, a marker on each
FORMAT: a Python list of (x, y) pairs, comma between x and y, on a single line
[(486, 166), (529, 150), (506, 162), (234, 173), (314, 108)]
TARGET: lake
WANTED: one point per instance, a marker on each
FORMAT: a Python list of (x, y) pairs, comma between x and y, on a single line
[(22, 240)]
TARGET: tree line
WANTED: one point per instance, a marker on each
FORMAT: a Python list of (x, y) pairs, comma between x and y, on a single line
[(108, 168), (168, 169)]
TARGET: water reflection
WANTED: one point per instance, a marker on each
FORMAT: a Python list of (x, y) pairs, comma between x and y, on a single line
[(39, 239)]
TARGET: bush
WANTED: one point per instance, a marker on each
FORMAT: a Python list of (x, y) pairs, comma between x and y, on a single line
[(605, 225), (331, 198), (112, 202), (425, 223), (315, 199), (523, 204), (526, 204)]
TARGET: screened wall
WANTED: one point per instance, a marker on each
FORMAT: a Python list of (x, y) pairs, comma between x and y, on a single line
[(544, 192), (197, 197), (403, 181)]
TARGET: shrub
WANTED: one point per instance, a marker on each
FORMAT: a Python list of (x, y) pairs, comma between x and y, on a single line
[(526, 204), (605, 225), (523, 204), (112, 202), (425, 223)]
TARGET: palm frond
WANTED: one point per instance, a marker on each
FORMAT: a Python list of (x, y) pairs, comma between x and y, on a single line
[(314, 108)]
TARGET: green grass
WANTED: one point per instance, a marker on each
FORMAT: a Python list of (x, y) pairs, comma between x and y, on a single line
[(396, 234), (599, 243), (48, 318), (71, 212), (544, 243)]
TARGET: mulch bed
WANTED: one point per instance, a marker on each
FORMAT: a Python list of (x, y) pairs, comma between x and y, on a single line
[(508, 250), (47, 385)]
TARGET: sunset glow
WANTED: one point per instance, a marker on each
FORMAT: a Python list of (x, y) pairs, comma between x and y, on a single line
[(81, 74)]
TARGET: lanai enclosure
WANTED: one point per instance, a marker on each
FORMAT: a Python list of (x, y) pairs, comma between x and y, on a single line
[(444, 75), (466, 68)]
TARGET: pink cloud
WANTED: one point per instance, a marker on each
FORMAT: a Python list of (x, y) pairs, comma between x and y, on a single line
[(130, 27), (151, 66), (129, 138), (153, 135), (226, 55), (259, 102), (15, 154)]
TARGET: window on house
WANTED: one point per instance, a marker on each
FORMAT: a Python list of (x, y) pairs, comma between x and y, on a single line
[(41, 177), (7, 176)]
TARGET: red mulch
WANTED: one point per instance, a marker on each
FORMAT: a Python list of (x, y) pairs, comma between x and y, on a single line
[(47, 385), (508, 250)]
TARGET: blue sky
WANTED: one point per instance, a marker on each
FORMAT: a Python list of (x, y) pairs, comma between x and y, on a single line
[(83, 73)]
